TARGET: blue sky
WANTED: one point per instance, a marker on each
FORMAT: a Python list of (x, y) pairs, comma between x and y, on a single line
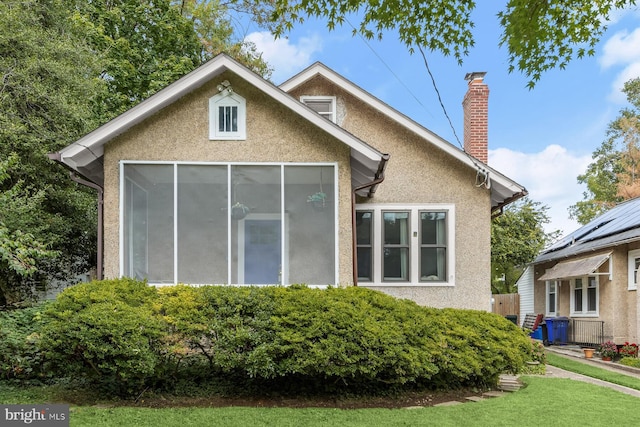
[(541, 138)]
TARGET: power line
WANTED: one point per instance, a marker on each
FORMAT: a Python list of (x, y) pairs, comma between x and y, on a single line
[(388, 67), (435, 87)]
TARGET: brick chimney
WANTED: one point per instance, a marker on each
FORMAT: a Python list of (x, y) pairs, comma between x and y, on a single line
[(475, 107)]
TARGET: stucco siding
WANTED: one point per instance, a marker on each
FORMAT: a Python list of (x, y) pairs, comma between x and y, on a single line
[(180, 133), (418, 172)]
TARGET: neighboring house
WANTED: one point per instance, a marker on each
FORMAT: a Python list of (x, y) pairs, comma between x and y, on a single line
[(591, 275), (224, 178), (525, 290)]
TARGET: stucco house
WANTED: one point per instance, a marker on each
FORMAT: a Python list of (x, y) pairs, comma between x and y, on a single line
[(591, 277), (224, 178)]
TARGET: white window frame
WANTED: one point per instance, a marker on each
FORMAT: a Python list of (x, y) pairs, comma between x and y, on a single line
[(227, 98), (414, 245), (633, 275), (551, 311), (332, 115), (585, 297)]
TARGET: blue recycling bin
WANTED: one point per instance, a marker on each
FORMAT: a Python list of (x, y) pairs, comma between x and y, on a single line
[(537, 334), (557, 328)]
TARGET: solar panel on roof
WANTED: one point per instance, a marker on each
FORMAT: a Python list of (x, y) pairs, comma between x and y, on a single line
[(624, 216)]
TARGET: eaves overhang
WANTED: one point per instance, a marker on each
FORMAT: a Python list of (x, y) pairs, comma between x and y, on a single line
[(503, 189), (85, 155)]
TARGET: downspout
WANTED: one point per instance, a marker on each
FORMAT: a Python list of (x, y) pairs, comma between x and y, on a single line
[(377, 179), (100, 190)]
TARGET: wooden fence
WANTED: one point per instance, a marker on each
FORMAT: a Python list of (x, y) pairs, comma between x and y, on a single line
[(507, 305)]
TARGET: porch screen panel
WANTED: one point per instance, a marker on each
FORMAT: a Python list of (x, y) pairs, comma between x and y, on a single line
[(255, 224), (148, 222), (202, 224), (310, 224)]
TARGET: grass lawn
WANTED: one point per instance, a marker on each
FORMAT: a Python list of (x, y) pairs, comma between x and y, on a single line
[(592, 371), (545, 401)]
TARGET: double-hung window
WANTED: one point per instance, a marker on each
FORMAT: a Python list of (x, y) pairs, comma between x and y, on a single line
[(584, 296), (634, 266), (551, 298), (405, 245)]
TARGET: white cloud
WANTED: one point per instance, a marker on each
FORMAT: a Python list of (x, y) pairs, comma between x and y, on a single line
[(550, 177), (622, 49), (630, 72), (285, 58)]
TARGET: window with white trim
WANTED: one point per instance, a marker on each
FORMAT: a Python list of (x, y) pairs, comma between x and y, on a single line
[(551, 298), (405, 245), (584, 296), (323, 105), (634, 266), (227, 116)]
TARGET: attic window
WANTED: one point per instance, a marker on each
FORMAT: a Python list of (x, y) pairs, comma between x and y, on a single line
[(227, 114), (323, 105)]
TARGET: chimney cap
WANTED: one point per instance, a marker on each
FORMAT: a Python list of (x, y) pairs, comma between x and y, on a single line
[(475, 75)]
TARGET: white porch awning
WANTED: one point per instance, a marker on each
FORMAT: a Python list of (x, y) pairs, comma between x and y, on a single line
[(575, 268)]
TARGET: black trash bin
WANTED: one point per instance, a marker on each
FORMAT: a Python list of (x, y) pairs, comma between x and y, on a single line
[(545, 334), (513, 318)]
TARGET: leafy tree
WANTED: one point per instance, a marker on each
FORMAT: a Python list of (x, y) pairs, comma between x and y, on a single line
[(212, 22), (614, 174), (65, 68), (517, 237), (148, 44), (539, 34), (19, 251), (145, 45), (45, 102)]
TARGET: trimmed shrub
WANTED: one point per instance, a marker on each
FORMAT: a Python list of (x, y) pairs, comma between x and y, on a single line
[(478, 347), (106, 332), (125, 335), (20, 355), (352, 335), (227, 329)]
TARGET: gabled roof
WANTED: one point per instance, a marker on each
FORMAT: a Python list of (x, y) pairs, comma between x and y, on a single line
[(618, 225), (85, 155), (503, 189)]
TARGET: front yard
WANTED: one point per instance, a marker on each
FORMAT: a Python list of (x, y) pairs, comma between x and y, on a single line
[(545, 401)]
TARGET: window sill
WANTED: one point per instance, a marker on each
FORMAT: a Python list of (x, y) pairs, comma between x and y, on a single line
[(227, 138), (405, 285), (590, 315)]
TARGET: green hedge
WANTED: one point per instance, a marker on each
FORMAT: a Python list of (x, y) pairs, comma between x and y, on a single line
[(107, 331), (125, 335), (21, 357)]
